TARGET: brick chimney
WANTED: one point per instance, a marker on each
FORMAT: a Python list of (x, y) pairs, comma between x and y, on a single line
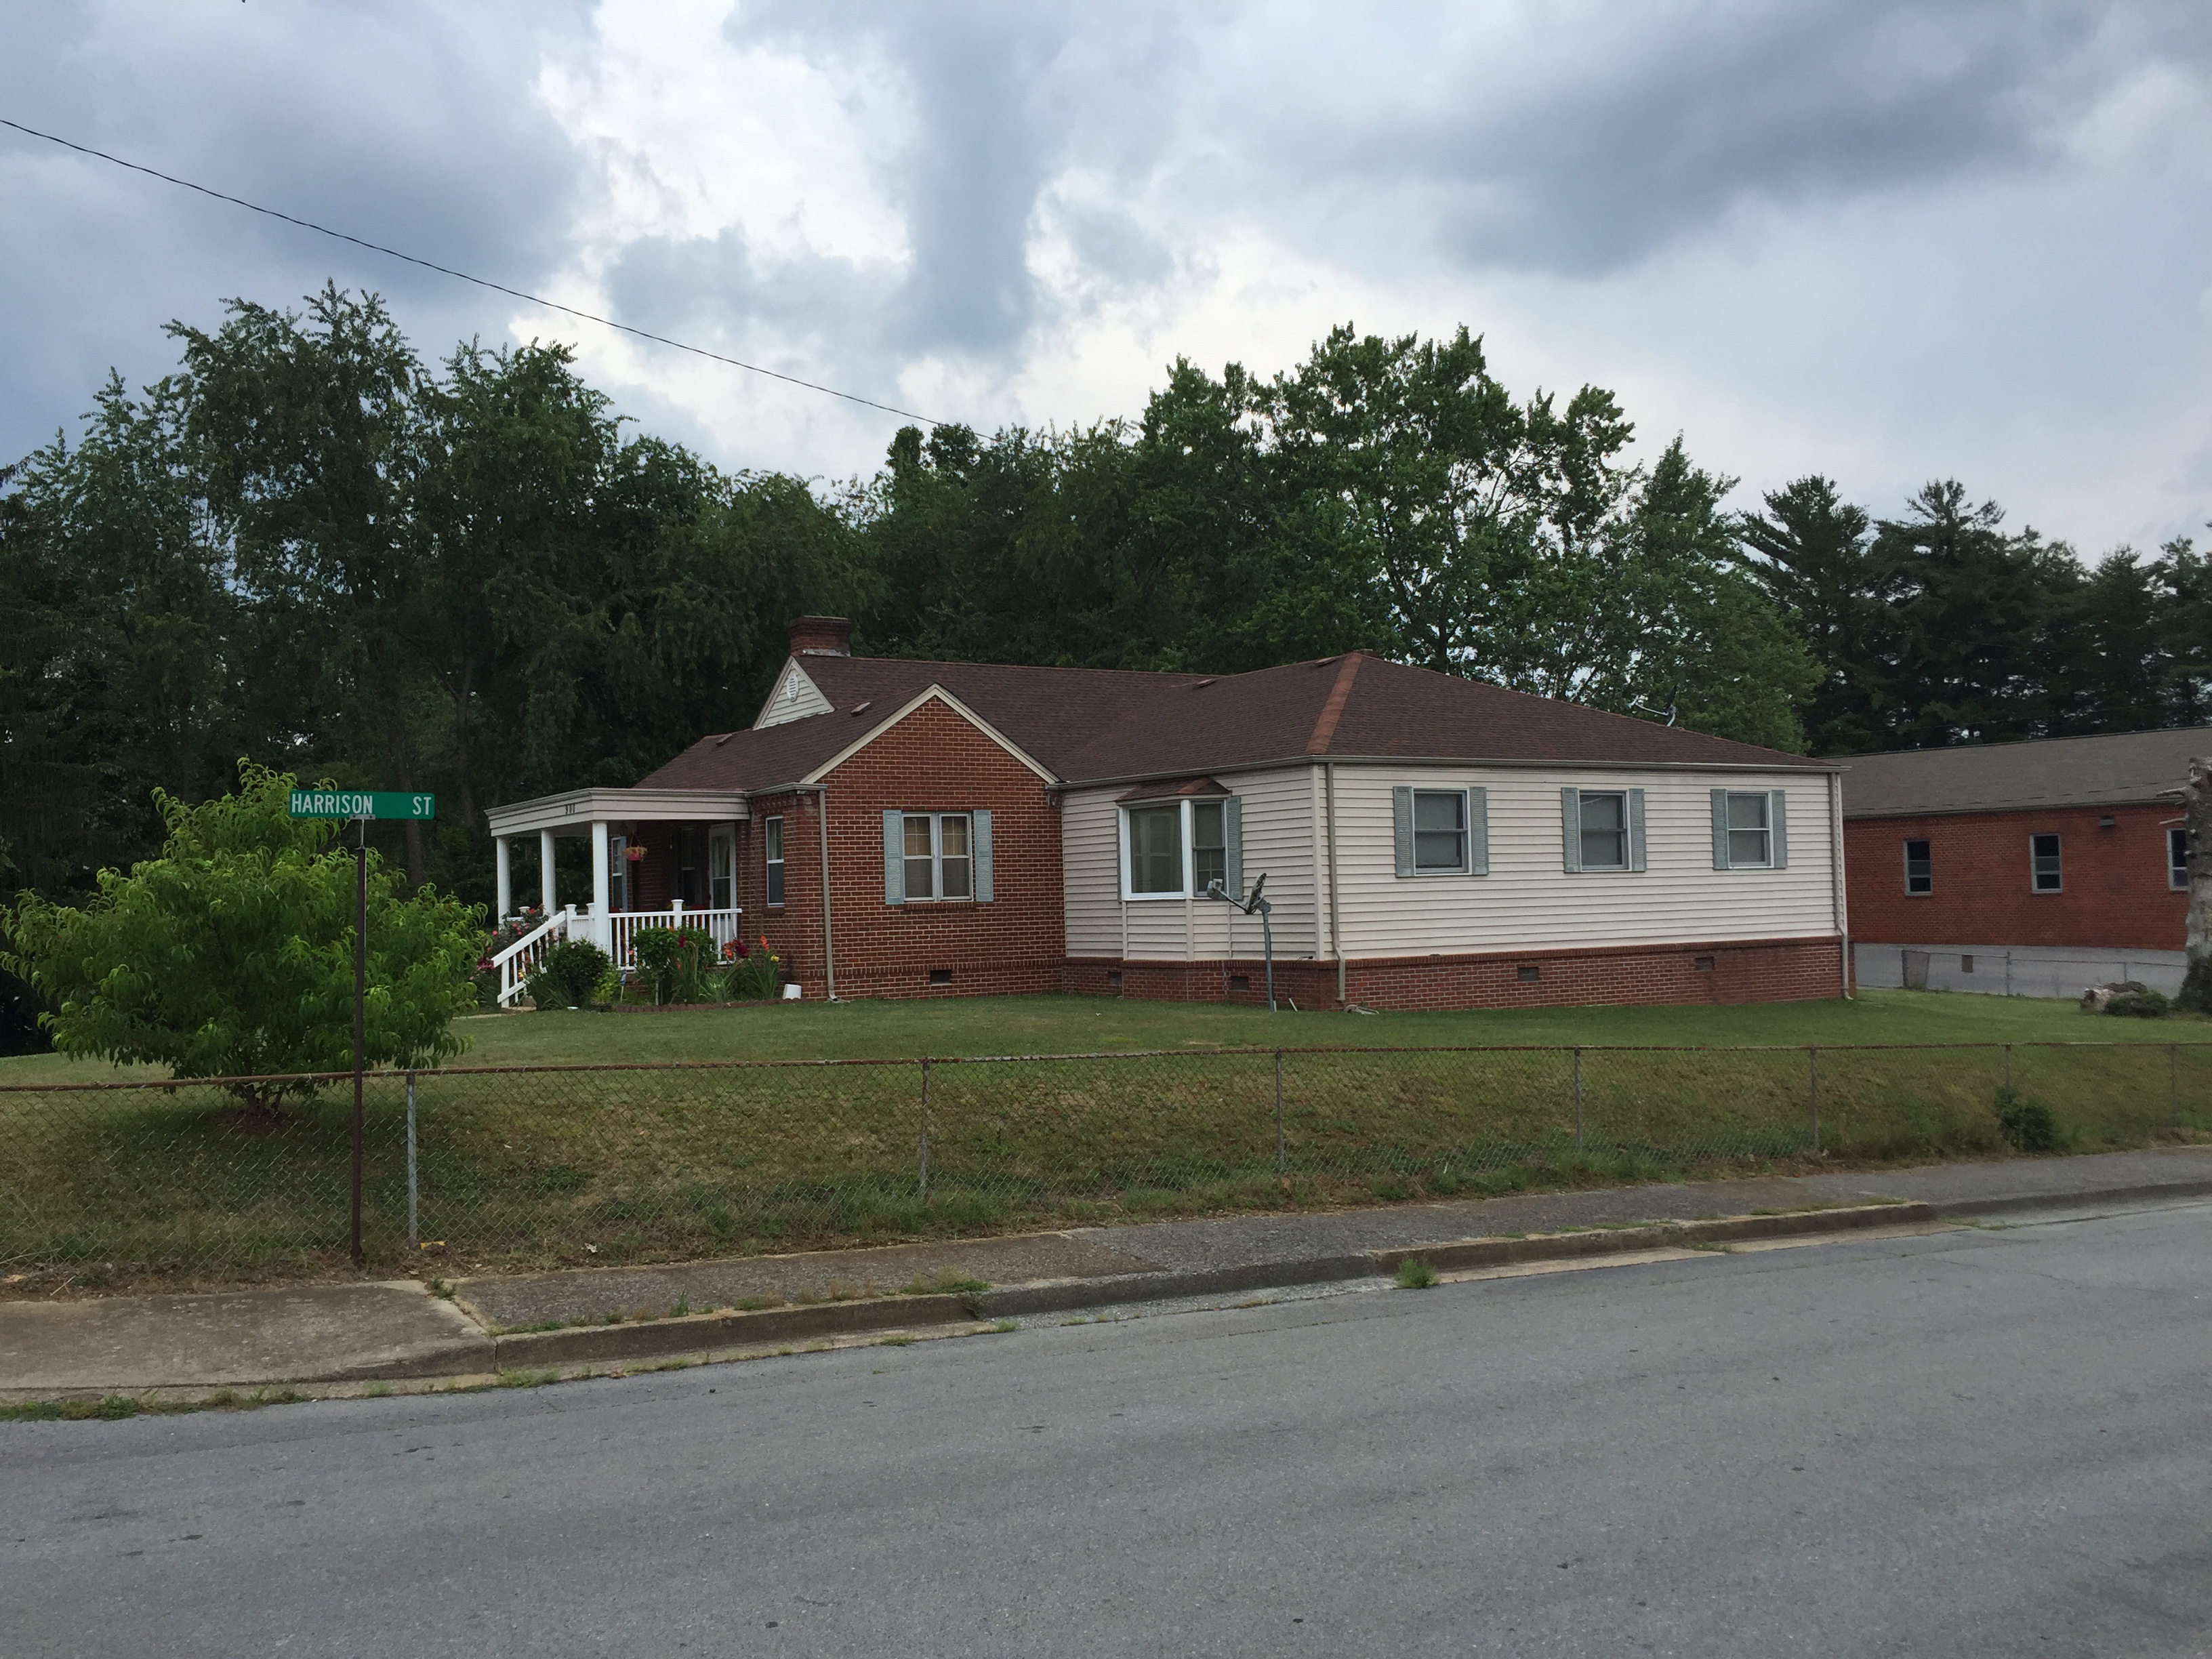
[(821, 636)]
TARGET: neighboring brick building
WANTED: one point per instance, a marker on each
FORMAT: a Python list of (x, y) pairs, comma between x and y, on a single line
[(1427, 841), (2064, 857)]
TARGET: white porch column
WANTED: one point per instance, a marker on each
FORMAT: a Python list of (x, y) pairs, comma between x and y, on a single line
[(603, 929), (545, 898), (499, 857)]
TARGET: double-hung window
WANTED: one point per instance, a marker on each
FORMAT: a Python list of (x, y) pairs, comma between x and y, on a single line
[(2045, 875), (1209, 846), (1156, 850), (1440, 831), (772, 841), (939, 856), (1751, 830), (2177, 860), (1750, 838), (1604, 829), (1919, 867)]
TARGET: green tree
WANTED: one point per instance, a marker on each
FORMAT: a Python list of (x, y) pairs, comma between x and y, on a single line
[(1813, 553), (232, 954), (311, 436)]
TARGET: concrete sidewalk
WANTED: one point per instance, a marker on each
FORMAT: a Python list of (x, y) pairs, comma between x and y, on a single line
[(349, 1333)]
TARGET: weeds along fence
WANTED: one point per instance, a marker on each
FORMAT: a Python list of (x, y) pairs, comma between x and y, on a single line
[(540, 1166)]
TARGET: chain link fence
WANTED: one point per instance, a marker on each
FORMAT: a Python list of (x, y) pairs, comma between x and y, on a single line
[(520, 1167)]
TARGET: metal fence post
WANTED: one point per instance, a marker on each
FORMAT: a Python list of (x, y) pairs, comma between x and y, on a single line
[(1814, 1055), (2173, 1081), (1579, 1100), (1278, 1113), (414, 1229), (925, 1129)]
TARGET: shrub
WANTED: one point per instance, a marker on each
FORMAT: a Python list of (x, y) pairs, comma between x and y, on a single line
[(2197, 987), (675, 962), (232, 954), (2140, 1004), (2025, 1124), (568, 975)]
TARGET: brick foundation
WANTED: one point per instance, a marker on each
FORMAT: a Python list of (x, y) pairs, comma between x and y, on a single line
[(1763, 970)]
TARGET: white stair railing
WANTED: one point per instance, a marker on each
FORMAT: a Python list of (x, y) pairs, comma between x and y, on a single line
[(514, 965)]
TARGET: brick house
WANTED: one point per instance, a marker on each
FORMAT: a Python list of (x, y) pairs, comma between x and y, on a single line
[(907, 828), (2063, 857)]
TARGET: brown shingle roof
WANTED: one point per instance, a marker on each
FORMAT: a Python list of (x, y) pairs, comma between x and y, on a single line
[(2118, 770), (1090, 724)]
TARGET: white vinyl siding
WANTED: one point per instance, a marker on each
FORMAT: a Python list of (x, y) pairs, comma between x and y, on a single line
[(795, 698), (1529, 900), (1270, 820)]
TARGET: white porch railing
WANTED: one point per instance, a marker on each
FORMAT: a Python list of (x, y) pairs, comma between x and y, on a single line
[(723, 924), (617, 938)]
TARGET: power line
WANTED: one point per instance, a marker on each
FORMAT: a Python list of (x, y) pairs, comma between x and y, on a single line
[(481, 282)]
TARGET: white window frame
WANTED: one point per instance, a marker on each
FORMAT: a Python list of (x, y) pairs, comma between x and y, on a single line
[(1220, 805), (1466, 835), (1581, 833), (1765, 830), (2035, 876), (2177, 870), (772, 862), (1909, 843), (937, 894), (1129, 893)]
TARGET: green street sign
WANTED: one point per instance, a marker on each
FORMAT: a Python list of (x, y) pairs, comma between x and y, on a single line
[(361, 803)]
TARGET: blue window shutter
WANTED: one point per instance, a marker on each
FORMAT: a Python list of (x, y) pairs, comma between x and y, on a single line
[(1570, 827), (1478, 831), (1232, 837), (1636, 828), (894, 858), (1777, 818), (1401, 814), (982, 818), (1720, 829)]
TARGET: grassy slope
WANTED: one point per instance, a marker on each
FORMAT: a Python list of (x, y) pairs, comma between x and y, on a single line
[(1006, 1025)]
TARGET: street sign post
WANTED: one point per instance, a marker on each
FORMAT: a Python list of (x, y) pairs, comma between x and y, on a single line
[(360, 805)]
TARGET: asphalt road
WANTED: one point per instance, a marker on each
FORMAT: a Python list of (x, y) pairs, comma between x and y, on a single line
[(1982, 1443)]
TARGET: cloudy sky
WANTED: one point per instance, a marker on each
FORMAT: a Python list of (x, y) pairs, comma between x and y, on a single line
[(1885, 241)]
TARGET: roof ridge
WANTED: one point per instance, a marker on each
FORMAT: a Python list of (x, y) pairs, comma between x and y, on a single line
[(1333, 710), (1035, 668)]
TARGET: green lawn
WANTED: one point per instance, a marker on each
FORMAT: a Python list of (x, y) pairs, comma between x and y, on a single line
[(1042, 1025), (530, 1169)]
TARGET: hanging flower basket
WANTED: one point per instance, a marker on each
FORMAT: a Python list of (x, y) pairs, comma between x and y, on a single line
[(635, 854)]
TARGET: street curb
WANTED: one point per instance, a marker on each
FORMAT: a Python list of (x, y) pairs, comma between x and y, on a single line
[(2076, 1201), (700, 1332), (731, 1329), (1614, 1241)]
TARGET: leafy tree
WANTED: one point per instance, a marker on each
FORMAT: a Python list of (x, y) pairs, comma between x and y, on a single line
[(232, 954)]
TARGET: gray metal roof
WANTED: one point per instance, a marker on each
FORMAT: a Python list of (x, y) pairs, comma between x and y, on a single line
[(2121, 770)]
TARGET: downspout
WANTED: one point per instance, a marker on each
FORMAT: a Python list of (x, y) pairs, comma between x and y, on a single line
[(1836, 863), (1335, 930), (829, 941)]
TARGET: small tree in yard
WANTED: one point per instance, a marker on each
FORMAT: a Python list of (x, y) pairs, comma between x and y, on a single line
[(231, 955)]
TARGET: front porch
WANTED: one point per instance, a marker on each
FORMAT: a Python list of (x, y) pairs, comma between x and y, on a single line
[(688, 836)]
